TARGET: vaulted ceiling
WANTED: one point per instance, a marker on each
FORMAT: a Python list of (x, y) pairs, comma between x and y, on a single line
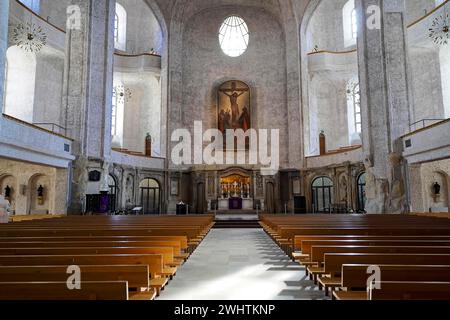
[(184, 9)]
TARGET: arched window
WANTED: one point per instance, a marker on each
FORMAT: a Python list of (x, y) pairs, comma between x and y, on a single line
[(34, 5), (150, 196), (322, 195), (354, 112), (356, 102), (234, 36), (354, 25), (350, 21), (361, 192), (113, 190), (120, 28)]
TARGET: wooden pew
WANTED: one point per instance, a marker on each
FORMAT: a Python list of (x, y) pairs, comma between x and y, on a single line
[(318, 254), (137, 276), (178, 254), (98, 290), (166, 252), (154, 262), (413, 290), (306, 245), (109, 239), (355, 276)]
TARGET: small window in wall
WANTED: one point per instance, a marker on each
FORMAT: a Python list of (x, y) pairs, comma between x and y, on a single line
[(234, 36), (34, 5), (350, 21), (120, 28)]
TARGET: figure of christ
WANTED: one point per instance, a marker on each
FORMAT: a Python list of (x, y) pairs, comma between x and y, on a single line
[(234, 93)]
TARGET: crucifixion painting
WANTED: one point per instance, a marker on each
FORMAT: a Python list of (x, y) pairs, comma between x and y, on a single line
[(234, 106)]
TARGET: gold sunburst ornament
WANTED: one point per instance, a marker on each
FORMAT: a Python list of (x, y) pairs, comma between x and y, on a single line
[(29, 37), (439, 30)]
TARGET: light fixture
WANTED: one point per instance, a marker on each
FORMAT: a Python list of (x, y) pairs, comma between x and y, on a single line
[(124, 94), (29, 37), (439, 30)]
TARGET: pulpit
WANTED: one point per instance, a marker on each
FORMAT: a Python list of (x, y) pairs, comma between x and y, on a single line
[(235, 203)]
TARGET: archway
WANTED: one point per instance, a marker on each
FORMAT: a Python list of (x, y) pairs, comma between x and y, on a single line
[(322, 194), (150, 196), (8, 188), (39, 194)]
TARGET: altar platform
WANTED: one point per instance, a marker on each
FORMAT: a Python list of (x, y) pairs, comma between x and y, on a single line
[(236, 219)]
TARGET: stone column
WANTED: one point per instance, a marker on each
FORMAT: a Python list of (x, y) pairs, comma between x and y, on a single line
[(4, 14), (88, 89), (384, 101)]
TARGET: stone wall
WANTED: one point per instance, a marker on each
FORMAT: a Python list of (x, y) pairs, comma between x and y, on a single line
[(24, 179), (143, 30), (422, 178), (263, 67)]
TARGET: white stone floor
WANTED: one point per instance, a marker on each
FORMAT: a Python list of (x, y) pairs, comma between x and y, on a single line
[(240, 264)]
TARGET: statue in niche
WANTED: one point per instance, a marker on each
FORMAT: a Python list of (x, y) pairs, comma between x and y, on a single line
[(8, 192), (398, 202), (436, 189), (40, 195)]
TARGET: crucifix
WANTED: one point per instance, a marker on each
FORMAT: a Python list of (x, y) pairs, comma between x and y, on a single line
[(234, 93)]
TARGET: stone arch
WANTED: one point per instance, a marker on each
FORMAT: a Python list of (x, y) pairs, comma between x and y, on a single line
[(11, 181), (443, 179), (38, 204)]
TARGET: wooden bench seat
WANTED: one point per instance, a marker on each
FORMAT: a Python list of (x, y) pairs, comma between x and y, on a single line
[(350, 295)]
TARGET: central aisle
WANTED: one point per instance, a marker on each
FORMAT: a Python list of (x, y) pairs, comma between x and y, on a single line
[(240, 264)]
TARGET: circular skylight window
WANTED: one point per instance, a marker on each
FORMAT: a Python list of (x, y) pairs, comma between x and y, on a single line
[(234, 36)]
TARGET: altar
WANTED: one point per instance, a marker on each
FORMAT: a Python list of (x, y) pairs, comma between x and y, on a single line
[(230, 204), (235, 193)]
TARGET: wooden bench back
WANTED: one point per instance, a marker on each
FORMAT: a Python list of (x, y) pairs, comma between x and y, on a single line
[(334, 261), (318, 252), (306, 245), (166, 252), (298, 240), (175, 245), (69, 239), (98, 290), (137, 276), (154, 261), (391, 290), (354, 276)]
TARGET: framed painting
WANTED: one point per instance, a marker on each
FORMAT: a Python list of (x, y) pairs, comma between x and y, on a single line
[(233, 107)]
